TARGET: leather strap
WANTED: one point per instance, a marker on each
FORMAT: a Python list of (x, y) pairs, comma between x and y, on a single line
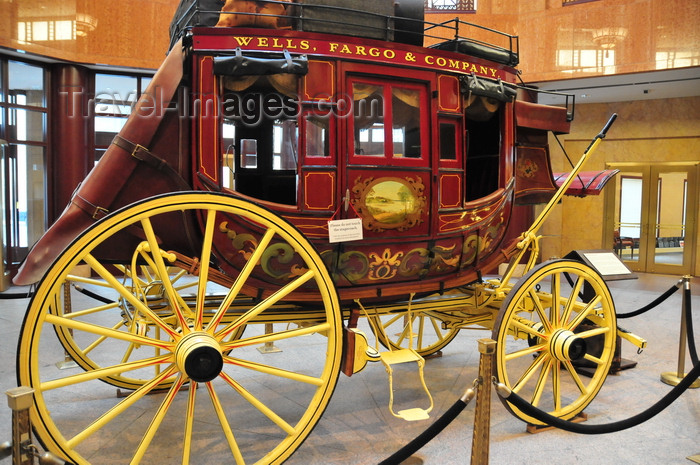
[(96, 212)]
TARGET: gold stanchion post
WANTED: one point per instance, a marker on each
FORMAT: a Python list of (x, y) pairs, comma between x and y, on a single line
[(674, 378), (20, 399), (482, 411)]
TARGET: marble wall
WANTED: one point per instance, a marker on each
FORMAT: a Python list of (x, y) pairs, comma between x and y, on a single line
[(556, 41), (129, 33)]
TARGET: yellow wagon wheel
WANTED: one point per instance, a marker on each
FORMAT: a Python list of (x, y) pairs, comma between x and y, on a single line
[(557, 320), (227, 402), (429, 336)]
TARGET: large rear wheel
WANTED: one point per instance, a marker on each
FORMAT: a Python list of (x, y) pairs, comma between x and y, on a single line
[(199, 391)]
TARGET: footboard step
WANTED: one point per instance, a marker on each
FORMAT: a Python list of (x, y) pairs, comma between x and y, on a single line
[(394, 357)]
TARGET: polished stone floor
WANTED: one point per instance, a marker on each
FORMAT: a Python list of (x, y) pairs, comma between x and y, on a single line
[(357, 427)]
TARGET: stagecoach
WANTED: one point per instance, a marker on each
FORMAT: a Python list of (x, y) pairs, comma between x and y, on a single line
[(292, 168)]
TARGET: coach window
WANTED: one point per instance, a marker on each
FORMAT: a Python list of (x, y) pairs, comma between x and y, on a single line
[(260, 136), (388, 123), (318, 126), (483, 120)]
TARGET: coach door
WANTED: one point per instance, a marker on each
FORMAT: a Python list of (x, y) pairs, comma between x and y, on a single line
[(388, 144)]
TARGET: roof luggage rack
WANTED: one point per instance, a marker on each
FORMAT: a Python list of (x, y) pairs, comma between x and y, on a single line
[(402, 22)]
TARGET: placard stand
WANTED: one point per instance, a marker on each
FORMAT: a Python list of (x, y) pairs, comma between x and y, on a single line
[(611, 268)]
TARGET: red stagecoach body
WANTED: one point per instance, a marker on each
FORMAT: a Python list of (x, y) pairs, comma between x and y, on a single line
[(427, 148)]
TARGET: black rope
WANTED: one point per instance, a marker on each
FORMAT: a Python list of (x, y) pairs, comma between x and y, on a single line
[(653, 304), (93, 295), (580, 428), (15, 295), (690, 333), (432, 431)]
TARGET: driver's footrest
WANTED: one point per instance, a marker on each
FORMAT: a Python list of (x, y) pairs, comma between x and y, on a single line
[(395, 357)]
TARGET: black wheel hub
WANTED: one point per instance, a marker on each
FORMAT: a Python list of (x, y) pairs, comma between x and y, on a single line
[(199, 357)]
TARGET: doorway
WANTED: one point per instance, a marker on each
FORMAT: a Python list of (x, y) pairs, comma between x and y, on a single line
[(651, 214)]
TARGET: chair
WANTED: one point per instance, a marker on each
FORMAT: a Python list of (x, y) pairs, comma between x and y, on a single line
[(621, 243)]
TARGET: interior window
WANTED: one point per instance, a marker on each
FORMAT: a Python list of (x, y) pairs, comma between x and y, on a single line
[(387, 121), (483, 119), (406, 122), (317, 130), (369, 119), (261, 121)]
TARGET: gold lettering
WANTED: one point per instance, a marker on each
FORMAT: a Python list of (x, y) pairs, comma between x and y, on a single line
[(304, 44), (262, 42), (465, 66), (389, 54), (430, 60), (360, 50), (441, 61), (346, 49), (493, 72), (243, 40), (333, 46), (276, 43), (484, 69), (374, 52), (454, 64)]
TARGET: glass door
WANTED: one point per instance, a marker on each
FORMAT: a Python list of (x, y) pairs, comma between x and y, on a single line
[(650, 216)]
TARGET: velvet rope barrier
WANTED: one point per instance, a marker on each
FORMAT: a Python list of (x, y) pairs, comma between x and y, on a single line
[(653, 304), (580, 428), (432, 431), (687, 310)]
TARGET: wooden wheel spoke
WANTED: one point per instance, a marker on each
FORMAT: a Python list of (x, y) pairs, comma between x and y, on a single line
[(541, 382), (529, 372), (593, 332), (118, 409), (162, 270), (436, 327), (225, 426), (107, 332), (204, 261), (128, 295), (587, 310), (241, 278), (576, 377), (596, 360), (573, 297), (540, 310), (516, 324), (157, 421), (260, 406), (556, 299), (266, 304), (274, 371), (100, 339), (90, 311), (103, 372), (189, 423), (524, 352), (273, 337)]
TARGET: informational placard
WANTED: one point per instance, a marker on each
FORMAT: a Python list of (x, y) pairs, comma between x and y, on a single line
[(605, 262), (345, 230)]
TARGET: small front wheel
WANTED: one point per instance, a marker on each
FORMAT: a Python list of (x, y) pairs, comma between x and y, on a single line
[(557, 319)]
